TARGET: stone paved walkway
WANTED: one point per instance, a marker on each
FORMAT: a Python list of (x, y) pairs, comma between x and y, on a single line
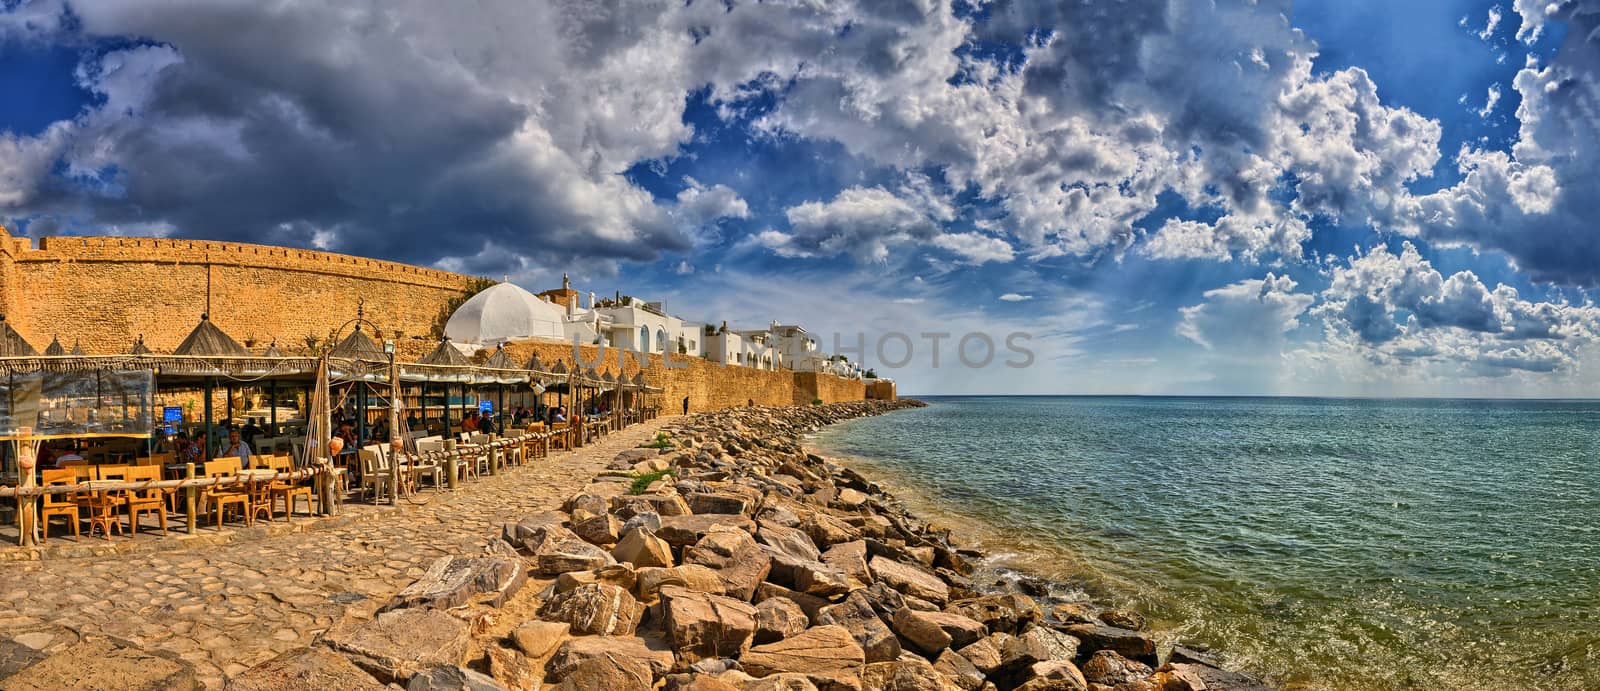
[(230, 606)]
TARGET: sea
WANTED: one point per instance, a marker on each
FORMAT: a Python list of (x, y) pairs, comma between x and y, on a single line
[(1323, 543)]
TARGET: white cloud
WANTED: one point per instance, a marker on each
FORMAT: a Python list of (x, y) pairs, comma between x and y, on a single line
[(1494, 22), (860, 221), (1015, 297), (1398, 309), (1493, 100), (976, 248), (684, 268), (1248, 318), (909, 301)]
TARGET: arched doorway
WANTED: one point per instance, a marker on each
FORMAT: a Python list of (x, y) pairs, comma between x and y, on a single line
[(644, 339)]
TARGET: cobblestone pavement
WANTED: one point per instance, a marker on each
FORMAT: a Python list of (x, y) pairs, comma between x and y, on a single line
[(226, 607)]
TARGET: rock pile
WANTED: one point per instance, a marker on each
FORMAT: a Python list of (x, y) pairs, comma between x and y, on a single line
[(751, 565)]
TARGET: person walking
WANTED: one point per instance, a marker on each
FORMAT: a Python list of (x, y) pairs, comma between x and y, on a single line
[(685, 405)]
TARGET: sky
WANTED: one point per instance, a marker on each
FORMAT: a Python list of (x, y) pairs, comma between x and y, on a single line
[(1352, 198)]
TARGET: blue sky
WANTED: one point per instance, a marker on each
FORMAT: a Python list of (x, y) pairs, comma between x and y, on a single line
[(1352, 198)]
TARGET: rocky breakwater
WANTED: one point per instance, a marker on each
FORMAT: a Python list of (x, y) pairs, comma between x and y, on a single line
[(733, 559)]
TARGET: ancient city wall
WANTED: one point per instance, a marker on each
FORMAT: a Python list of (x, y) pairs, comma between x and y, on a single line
[(812, 386), (104, 291)]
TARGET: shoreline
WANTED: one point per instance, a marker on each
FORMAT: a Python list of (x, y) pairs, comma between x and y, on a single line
[(733, 558)]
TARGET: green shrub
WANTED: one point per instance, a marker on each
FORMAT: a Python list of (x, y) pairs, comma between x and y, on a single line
[(663, 440), (816, 401), (643, 482)]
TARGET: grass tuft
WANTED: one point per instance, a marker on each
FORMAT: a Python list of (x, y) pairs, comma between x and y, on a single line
[(643, 482)]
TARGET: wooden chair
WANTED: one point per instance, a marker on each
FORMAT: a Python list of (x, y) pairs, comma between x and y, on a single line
[(219, 498), (143, 500), (103, 504), (288, 489), (260, 492), (375, 479), (59, 504)]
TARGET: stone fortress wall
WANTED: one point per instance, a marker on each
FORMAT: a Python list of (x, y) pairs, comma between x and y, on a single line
[(103, 292)]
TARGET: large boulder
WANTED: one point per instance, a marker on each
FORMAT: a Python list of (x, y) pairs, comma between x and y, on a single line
[(706, 626), (609, 673), (642, 548), (655, 656), (850, 559), (740, 563), (688, 576), (855, 614), (827, 531), (1192, 677), (810, 604), (827, 656), (594, 609), (397, 644), (910, 580), (452, 679), (560, 556), (1055, 675), (682, 531), (1005, 613), (959, 671), (788, 541), (987, 655), (537, 638), (621, 575), (805, 575), (602, 529), (932, 632), (1038, 644), (451, 582), (909, 674), (1108, 668), (1133, 645), (717, 502), (778, 618), (532, 533)]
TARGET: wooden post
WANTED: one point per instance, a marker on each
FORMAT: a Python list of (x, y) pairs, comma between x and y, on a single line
[(189, 501), (494, 460), (396, 442)]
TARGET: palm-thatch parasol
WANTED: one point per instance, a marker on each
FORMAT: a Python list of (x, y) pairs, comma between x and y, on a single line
[(208, 340), (500, 359), (445, 354), (139, 347), (77, 349), (272, 350), (358, 346), (55, 347)]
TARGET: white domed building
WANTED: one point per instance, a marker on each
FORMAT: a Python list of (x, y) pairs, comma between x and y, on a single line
[(504, 313)]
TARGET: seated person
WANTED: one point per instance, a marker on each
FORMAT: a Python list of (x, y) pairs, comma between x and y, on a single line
[(469, 423), (236, 446)]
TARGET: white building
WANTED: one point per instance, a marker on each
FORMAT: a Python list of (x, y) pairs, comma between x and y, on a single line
[(504, 313), (692, 338), (723, 346), (641, 326), (760, 349)]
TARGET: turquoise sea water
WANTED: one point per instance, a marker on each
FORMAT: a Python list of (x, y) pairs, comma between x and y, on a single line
[(1346, 544)]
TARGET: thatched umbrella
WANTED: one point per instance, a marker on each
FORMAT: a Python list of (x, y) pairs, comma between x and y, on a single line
[(359, 346), (139, 347), (209, 341), (55, 347), (12, 344), (560, 371), (445, 355), (272, 350), (77, 349)]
